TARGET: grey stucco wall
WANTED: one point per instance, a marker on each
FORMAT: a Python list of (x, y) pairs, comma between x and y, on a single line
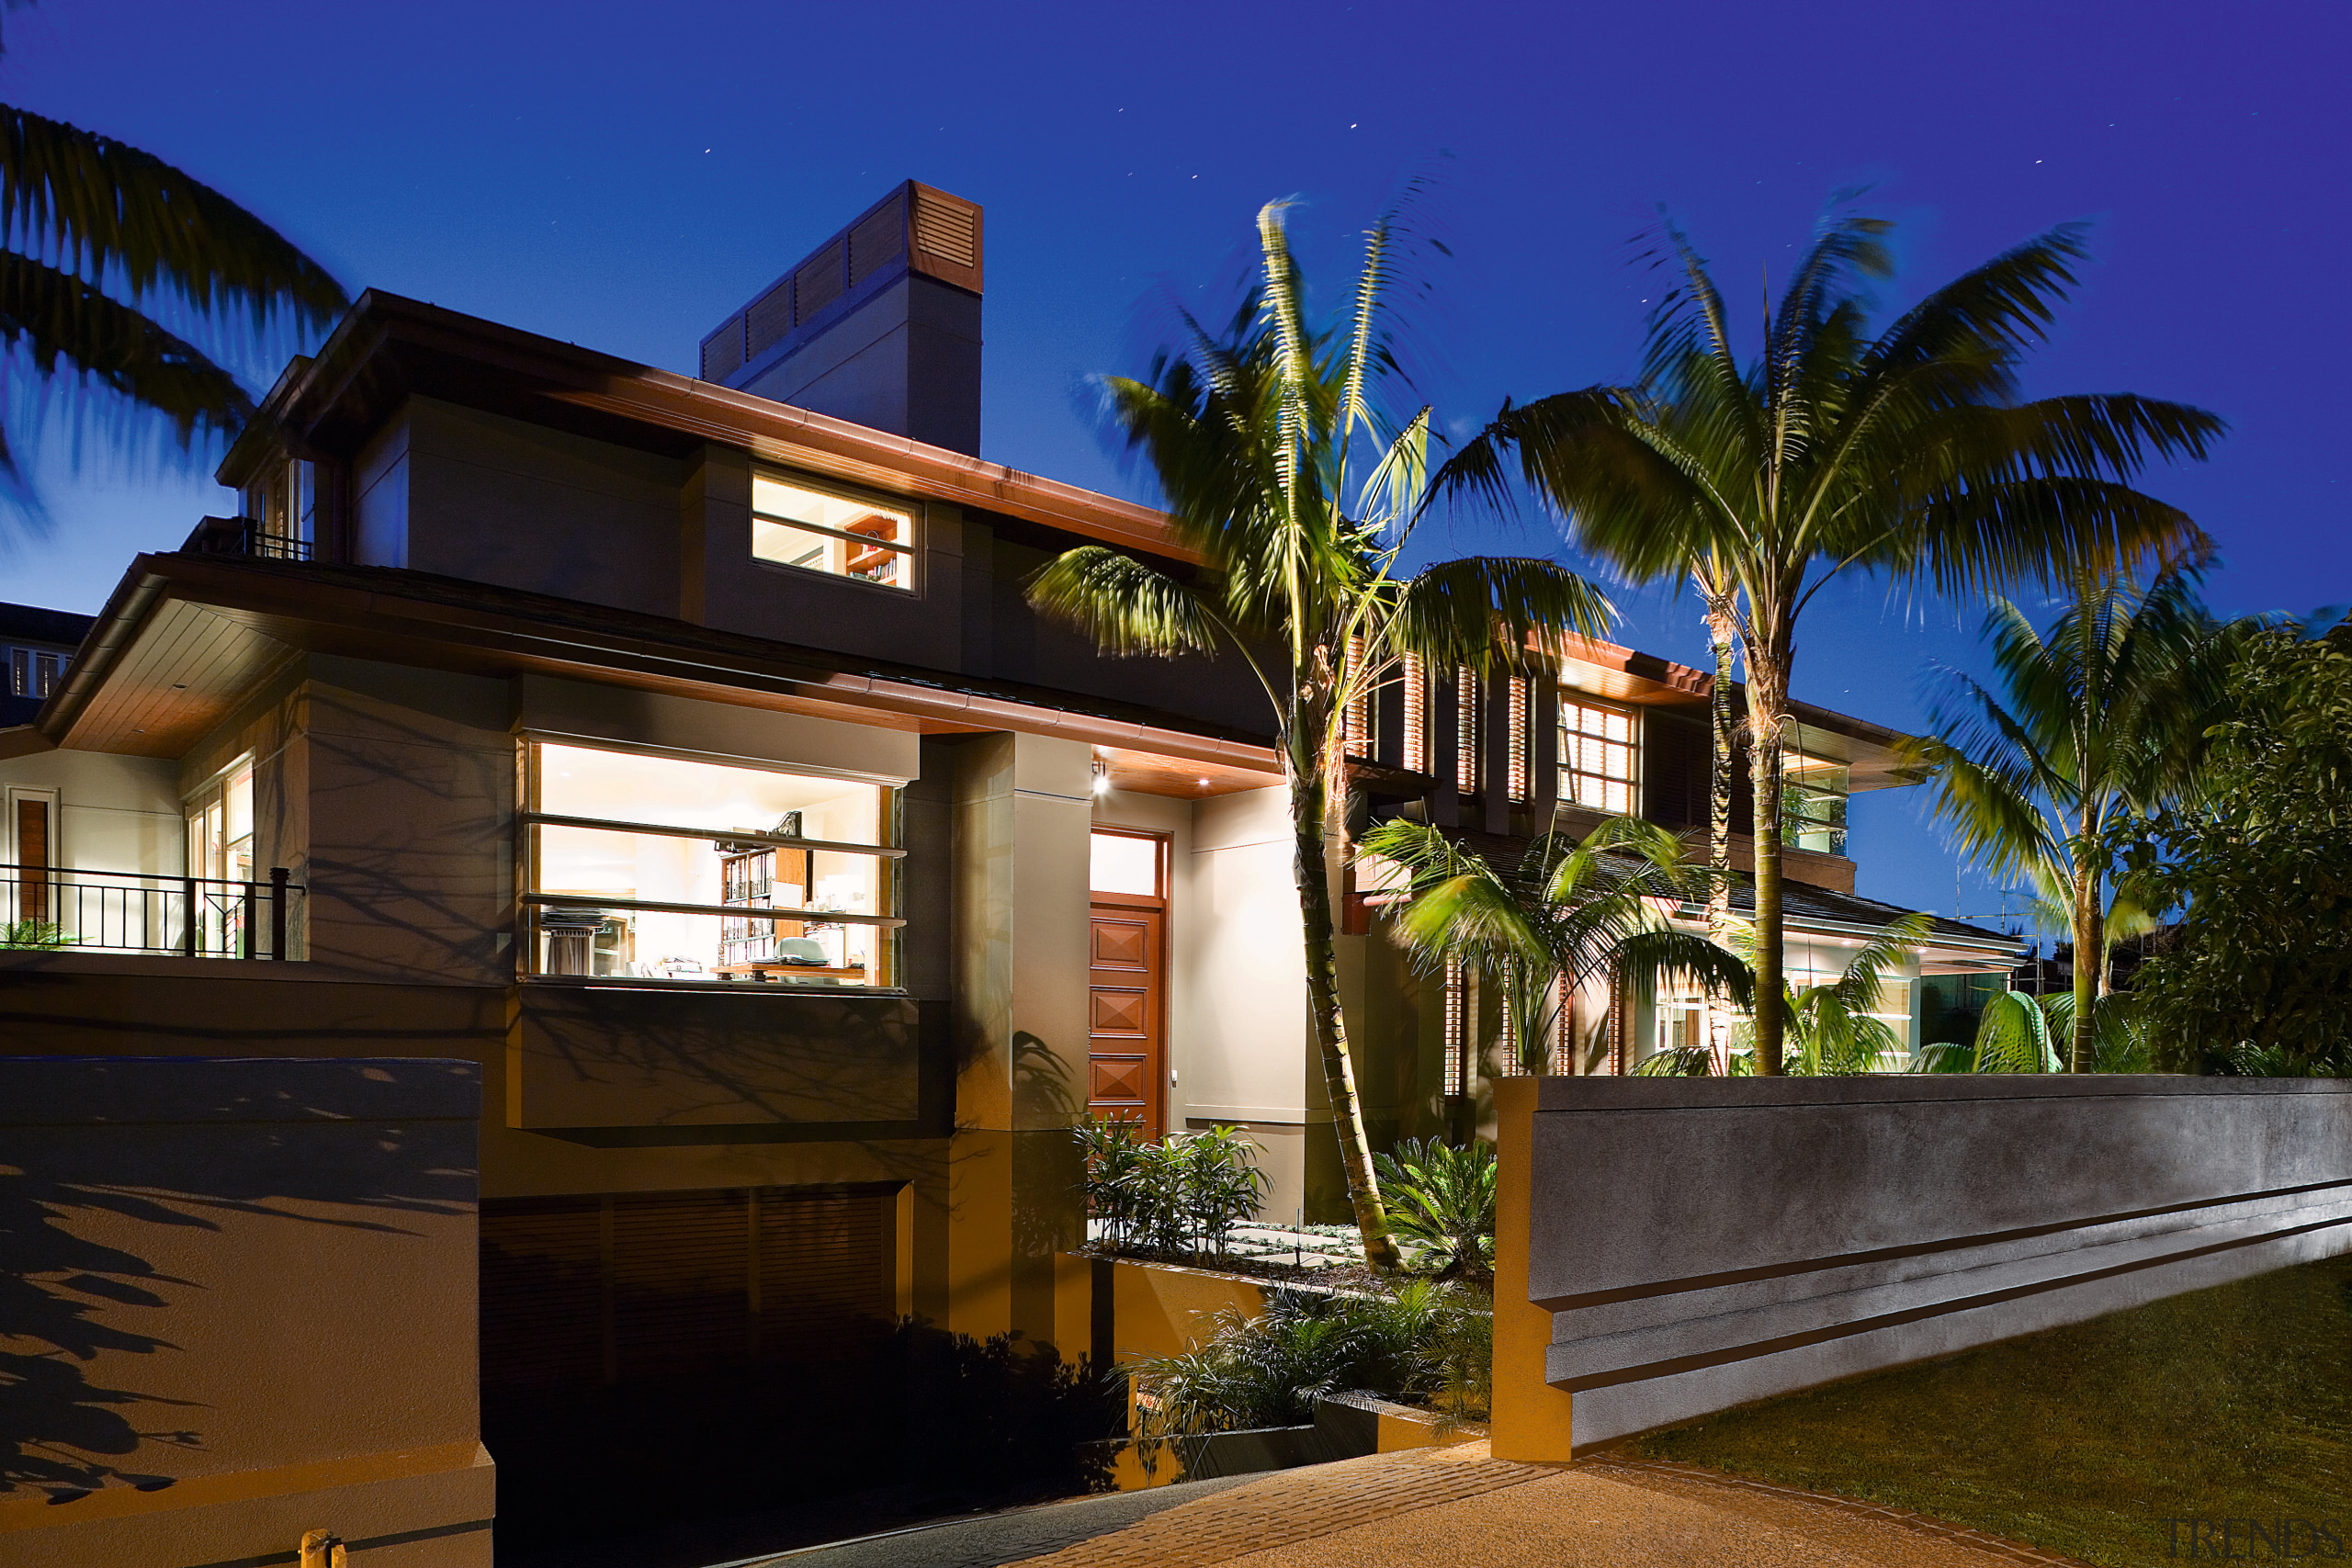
[(1702, 1243)]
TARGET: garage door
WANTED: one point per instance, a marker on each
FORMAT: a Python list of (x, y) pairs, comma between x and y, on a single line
[(600, 1291)]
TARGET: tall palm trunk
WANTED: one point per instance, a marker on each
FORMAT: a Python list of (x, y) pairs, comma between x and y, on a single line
[(1311, 805), (2090, 955), (1723, 740), (1768, 694)]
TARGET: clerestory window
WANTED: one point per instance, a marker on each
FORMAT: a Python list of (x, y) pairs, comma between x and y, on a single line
[(841, 534)]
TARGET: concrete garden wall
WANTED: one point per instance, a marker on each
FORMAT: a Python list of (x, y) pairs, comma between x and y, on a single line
[(238, 1307), (1698, 1243)]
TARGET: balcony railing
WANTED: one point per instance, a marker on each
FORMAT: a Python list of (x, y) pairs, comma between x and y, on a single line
[(52, 910), (244, 536)]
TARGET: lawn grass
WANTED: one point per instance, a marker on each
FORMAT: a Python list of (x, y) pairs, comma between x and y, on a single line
[(2233, 1402)]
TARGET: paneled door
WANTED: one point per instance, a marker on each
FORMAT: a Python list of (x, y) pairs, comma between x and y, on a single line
[(1126, 1055)]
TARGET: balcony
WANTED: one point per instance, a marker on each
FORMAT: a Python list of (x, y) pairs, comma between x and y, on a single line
[(244, 536), (49, 910)]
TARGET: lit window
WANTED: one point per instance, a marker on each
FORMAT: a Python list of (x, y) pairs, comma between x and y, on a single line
[(1813, 803), (1122, 862), (1596, 755), (34, 673), (659, 868), (841, 535), (220, 860)]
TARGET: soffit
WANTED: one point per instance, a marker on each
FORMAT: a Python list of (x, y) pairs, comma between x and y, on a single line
[(1147, 772), (183, 673)]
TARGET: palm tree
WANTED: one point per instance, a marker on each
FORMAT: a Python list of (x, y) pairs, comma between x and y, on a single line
[(1567, 915), (97, 240), (1911, 455), (2096, 723), (1282, 471), (1833, 1025)]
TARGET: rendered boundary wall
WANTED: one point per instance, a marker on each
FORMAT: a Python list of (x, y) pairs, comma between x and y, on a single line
[(237, 1306), (1698, 1243)]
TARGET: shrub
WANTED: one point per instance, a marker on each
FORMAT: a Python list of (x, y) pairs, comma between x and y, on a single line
[(1442, 1206), (1182, 1197), (1426, 1340)]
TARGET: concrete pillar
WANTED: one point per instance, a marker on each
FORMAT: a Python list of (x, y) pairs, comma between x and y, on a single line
[(1531, 1417), (1023, 808)]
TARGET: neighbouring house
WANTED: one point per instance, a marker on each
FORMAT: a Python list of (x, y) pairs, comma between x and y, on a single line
[(683, 751)]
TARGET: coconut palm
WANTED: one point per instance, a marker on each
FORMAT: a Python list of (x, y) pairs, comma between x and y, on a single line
[(1912, 454), (1283, 469), (100, 244), (1567, 915), (2095, 724)]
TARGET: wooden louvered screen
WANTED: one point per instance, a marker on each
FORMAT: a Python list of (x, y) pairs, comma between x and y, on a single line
[(722, 350), (637, 1287), (947, 238), (767, 319), (818, 281), (880, 236)]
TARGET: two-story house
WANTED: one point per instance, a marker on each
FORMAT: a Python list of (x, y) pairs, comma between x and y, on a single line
[(684, 750)]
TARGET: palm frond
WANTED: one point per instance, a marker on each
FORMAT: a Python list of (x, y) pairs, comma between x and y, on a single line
[(104, 210), (1125, 606), (57, 319), (1481, 609)]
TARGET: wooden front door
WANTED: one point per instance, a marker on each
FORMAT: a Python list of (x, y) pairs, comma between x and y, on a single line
[(32, 860), (1126, 1070)]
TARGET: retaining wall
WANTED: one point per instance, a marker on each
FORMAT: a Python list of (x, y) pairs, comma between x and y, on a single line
[(237, 1303), (1698, 1243)]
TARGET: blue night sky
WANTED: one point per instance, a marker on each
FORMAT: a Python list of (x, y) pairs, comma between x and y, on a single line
[(623, 177)]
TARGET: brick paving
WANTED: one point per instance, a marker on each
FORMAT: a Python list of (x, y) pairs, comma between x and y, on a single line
[(1462, 1509)]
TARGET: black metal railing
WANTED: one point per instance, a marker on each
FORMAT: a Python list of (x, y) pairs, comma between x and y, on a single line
[(244, 536), (56, 909)]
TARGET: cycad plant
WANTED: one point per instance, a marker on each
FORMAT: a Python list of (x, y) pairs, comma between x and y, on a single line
[(1912, 454), (2088, 730), (1286, 471), (1442, 1206), (127, 278), (1568, 914)]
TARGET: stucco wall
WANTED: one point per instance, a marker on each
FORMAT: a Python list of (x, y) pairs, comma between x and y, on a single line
[(1702, 1243), (247, 1292), (113, 813)]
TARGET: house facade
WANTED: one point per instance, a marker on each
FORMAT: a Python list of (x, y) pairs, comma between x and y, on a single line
[(690, 759)]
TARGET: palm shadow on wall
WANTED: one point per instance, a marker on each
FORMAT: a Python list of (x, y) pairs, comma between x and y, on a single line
[(73, 1419)]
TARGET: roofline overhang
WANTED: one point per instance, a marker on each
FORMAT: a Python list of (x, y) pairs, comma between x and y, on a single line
[(362, 622), (363, 352)]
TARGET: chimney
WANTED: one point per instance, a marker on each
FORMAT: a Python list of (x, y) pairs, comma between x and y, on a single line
[(880, 326)]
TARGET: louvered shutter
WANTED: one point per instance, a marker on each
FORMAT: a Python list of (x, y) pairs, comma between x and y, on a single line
[(542, 1293), (1675, 765), (682, 1281), (819, 282), (767, 319), (722, 350), (947, 238), (881, 237)]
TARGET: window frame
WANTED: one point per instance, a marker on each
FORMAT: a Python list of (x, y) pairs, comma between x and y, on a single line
[(911, 552), (1571, 699), (890, 959)]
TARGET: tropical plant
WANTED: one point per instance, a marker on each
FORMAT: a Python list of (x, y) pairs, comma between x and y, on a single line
[(2020, 1033), (100, 246), (1567, 915), (1442, 1206), (2260, 858), (44, 935), (2094, 725), (1832, 1022), (1912, 454), (1282, 471), (1183, 1197), (1414, 1342)]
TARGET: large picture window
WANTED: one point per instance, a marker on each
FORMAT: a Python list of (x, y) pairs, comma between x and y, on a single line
[(1596, 755), (842, 536), (653, 868)]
